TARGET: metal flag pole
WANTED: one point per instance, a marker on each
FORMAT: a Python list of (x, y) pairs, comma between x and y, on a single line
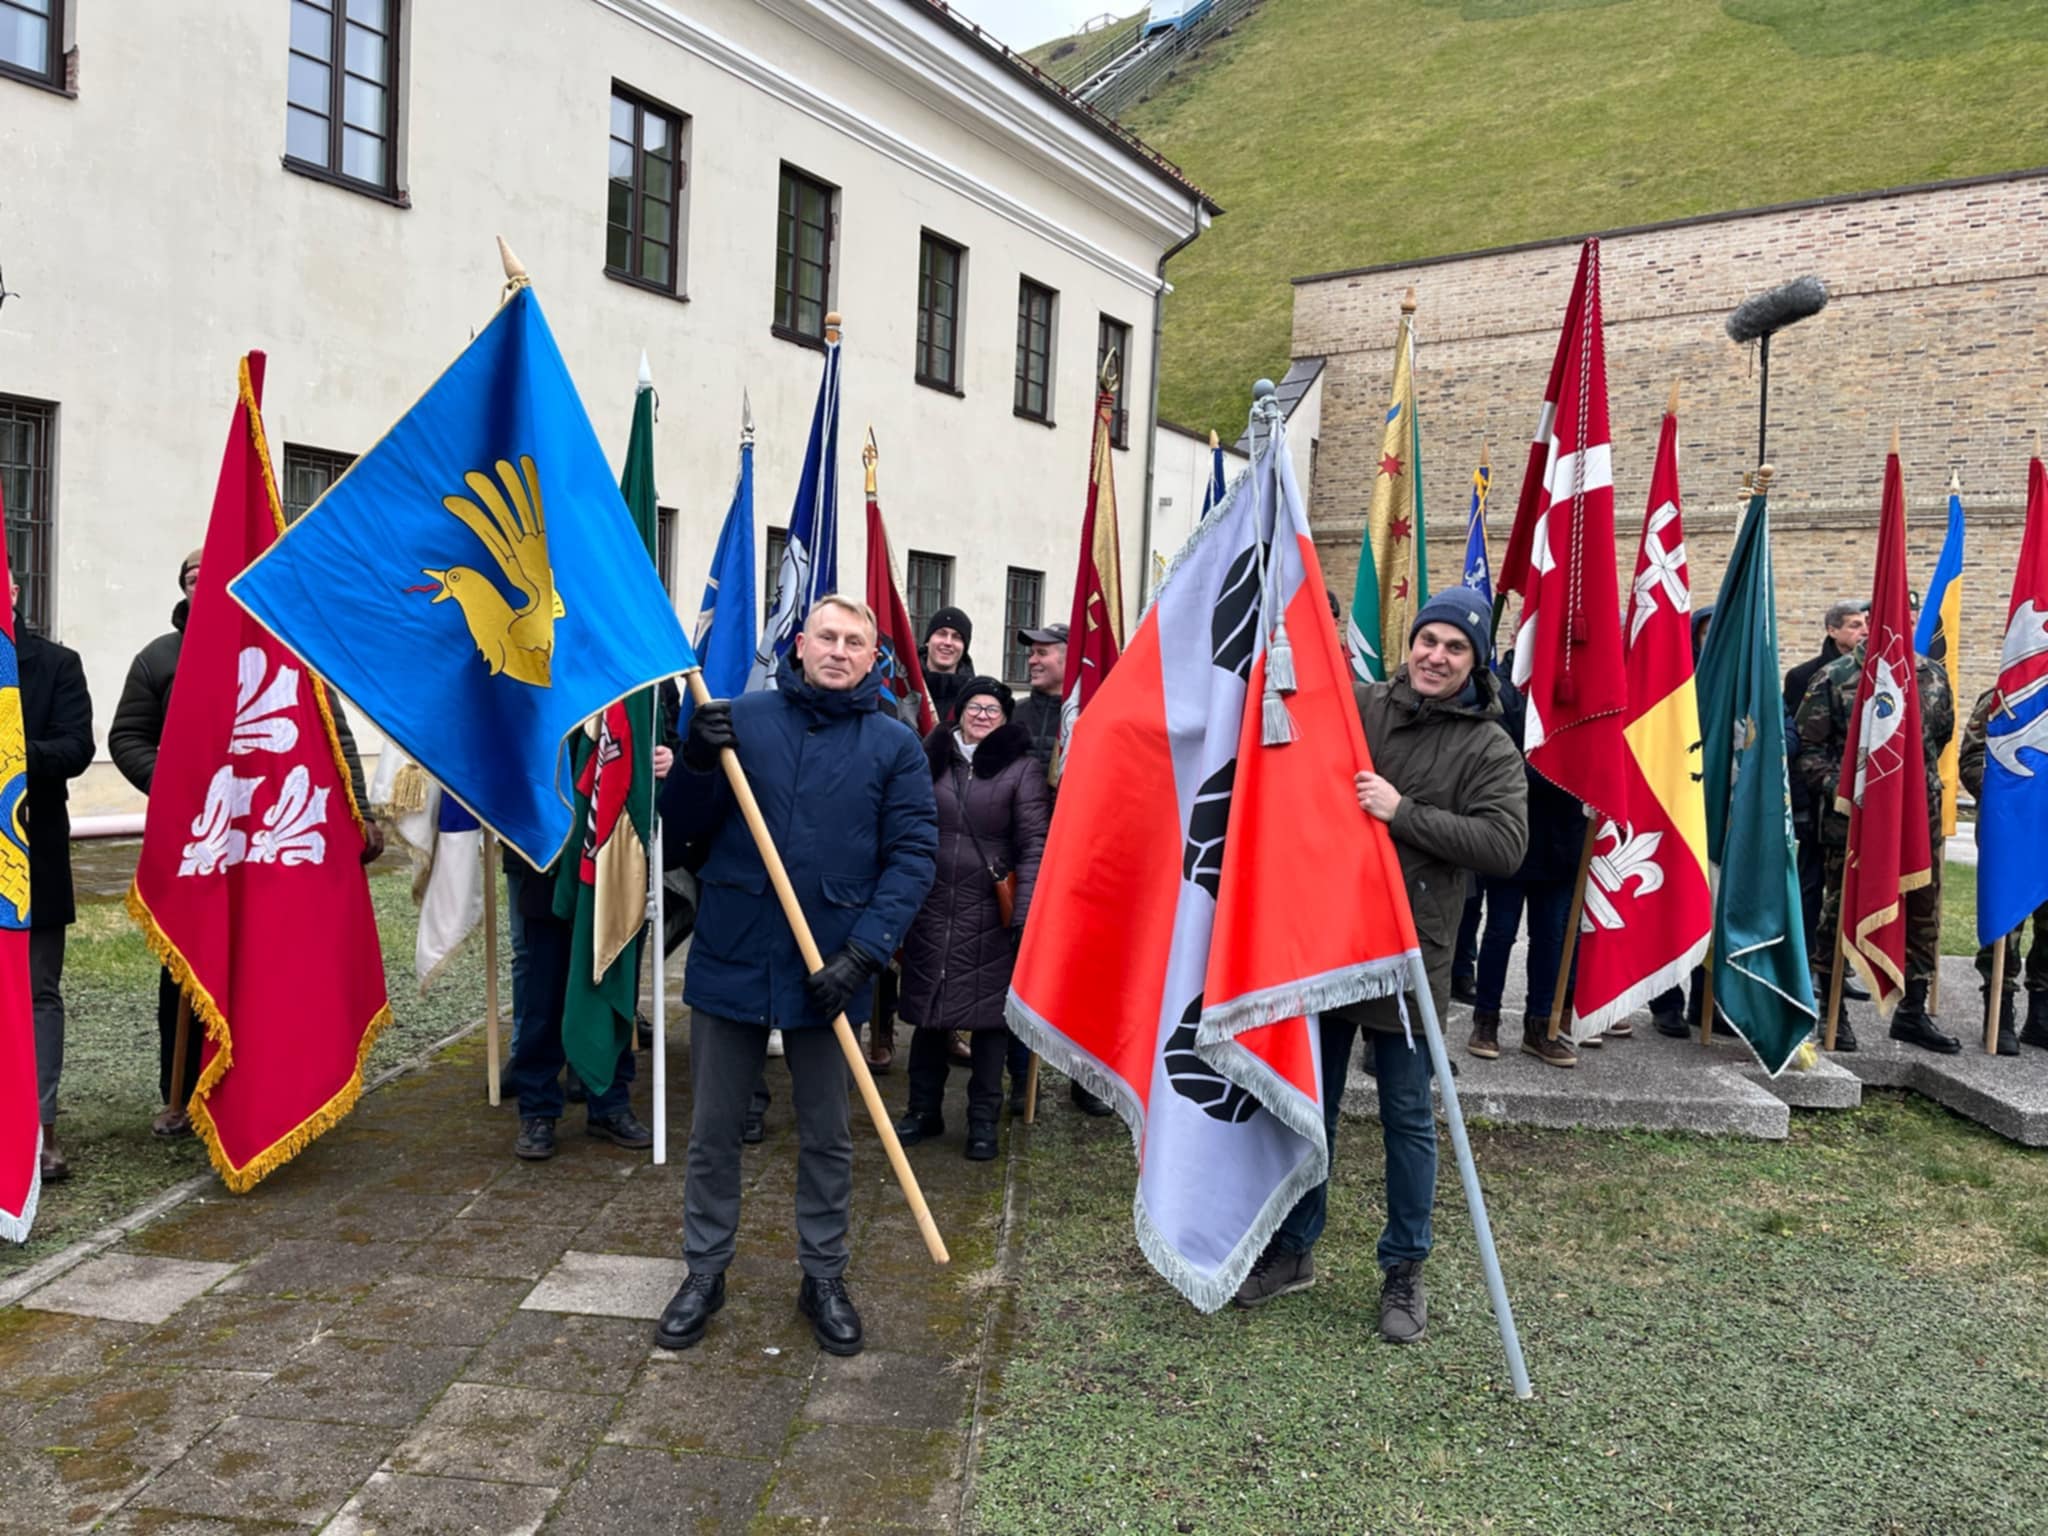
[(656, 937), (1468, 1173)]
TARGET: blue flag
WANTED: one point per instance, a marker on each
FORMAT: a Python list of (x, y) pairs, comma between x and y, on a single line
[(1940, 639), (1477, 574), (1762, 987), (725, 619), (475, 583), (2012, 812), (810, 560)]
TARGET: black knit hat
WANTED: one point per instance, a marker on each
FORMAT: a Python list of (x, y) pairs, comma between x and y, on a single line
[(953, 619), (994, 687), (1462, 608)]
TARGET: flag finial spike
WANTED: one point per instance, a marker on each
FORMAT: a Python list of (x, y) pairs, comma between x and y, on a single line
[(1214, 441), (1895, 439), (1110, 374), (1485, 455), (646, 373), (1671, 403), (746, 416), (1955, 480), (868, 454), (1408, 302), (515, 270), (833, 323)]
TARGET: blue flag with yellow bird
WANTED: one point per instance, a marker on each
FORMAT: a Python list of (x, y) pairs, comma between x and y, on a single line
[(476, 585)]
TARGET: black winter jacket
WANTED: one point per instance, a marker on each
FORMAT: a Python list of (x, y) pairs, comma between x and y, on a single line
[(958, 955), (1039, 714), (56, 721), (138, 728)]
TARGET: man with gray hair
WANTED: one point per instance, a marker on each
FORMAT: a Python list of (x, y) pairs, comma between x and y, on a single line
[(1845, 622), (844, 785)]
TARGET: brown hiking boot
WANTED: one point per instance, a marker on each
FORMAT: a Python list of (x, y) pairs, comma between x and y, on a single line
[(1536, 1042), (1404, 1308), (1275, 1273), (1485, 1041)]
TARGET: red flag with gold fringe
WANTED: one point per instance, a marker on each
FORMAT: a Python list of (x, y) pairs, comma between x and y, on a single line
[(250, 887)]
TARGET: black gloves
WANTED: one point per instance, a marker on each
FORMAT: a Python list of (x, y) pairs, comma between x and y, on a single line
[(710, 729), (841, 977)]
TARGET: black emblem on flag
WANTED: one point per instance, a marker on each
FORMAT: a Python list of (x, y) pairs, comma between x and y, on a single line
[(1234, 632), (1202, 859), (1195, 1080)]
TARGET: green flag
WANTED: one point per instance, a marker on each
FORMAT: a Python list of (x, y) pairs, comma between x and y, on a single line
[(1762, 987), (601, 878), (1393, 570)]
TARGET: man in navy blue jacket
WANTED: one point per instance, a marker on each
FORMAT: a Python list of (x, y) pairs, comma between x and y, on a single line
[(847, 795)]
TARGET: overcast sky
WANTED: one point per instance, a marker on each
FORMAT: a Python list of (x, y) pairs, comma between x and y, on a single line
[(1027, 23)]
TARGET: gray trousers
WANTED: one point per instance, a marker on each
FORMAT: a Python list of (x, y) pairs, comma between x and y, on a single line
[(46, 988), (725, 1063)]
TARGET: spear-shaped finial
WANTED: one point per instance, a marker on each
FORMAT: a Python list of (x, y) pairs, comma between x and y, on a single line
[(1671, 403), (1485, 455), (1109, 375), (746, 416), (868, 454), (1955, 481), (515, 273), (1215, 442), (646, 373), (1895, 439)]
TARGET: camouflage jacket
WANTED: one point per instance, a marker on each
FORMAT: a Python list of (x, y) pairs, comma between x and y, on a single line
[(1970, 756), (1822, 721)]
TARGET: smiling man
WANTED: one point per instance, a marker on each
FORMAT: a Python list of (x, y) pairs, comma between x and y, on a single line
[(1447, 781), (845, 788)]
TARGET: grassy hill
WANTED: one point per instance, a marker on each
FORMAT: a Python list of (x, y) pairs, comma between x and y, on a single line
[(1341, 133)]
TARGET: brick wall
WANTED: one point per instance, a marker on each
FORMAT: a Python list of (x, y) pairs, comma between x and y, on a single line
[(1937, 322)]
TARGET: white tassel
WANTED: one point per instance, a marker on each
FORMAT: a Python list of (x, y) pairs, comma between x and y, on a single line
[(1276, 725), (1280, 659)]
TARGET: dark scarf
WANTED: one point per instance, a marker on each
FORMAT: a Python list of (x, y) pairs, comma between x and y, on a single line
[(996, 751), (862, 698)]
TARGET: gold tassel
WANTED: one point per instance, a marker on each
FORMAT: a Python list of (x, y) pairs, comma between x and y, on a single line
[(409, 790)]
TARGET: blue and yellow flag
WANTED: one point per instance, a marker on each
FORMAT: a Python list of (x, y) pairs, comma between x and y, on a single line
[(1940, 639), (476, 584)]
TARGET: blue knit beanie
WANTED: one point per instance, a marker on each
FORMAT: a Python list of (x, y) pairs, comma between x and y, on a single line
[(1465, 608)]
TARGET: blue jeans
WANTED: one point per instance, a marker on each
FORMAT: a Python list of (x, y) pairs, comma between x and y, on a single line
[(540, 984), (1550, 908), (1408, 1127)]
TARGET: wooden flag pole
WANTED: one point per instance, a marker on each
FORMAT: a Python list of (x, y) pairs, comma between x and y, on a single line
[(1031, 1092), (1997, 997), (1834, 994), (1707, 994), (181, 1049), (807, 946), (1571, 928), (491, 966)]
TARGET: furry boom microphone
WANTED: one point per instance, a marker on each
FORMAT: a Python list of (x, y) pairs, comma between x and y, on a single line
[(1760, 318), (1782, 306)]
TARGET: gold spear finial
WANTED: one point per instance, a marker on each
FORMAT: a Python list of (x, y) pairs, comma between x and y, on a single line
[(868, 455), (515, 273), (1895, 439), (1671, 404)]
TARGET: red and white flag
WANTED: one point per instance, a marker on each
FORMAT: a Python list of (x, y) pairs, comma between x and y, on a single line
[(1649, 907), (1203, 894), (250, 887), (1095, 634), (1883, 785), (1568, 643)]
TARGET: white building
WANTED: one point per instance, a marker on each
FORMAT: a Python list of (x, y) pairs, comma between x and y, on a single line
[(703, 180)]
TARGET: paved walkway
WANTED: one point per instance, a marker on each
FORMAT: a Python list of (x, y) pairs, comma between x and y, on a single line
[(407, 1331)]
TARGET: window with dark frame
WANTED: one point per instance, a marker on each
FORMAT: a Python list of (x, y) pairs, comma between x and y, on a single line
[(1034, 350), (665, 547), (1023, 608), (938, 312), (308, 472), (803, 257), (930, 582), (341, 113), (771, 566), (28, 430), (643, 215), (1115, 336), (32, 41)]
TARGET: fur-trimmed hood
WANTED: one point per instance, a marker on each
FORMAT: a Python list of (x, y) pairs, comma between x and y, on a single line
[(998, 750)]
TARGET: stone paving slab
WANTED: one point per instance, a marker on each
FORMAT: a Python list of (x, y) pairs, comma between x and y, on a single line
[(607, 1285), (271, 1469), (400, 1504), (504, 1434), (379, 1382), (129, 1288)]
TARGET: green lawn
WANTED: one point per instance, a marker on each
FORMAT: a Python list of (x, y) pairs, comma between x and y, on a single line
[(1341, 133), (109, 1089), (1846, 1332)]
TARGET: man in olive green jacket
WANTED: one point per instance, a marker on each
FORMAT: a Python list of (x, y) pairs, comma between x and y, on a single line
[(1447, 781)]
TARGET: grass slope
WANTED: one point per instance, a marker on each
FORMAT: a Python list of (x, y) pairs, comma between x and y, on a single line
[(1342, 133), (1846, 1332)]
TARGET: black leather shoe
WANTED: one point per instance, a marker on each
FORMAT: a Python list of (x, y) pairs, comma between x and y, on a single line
[(832, 1316), (536, 1141), (1086, 1102), (688, 1312), (914, 1125), (981, 1141), (754, 1127), (1671, 1024), (1464, 989), (621, 1129), (1916, 1028)]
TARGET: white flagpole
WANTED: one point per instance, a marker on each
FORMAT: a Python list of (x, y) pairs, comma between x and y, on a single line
[(657, 936), (1489, 1261)]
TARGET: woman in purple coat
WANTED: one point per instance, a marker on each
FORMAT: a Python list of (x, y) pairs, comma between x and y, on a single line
[(994, 808)]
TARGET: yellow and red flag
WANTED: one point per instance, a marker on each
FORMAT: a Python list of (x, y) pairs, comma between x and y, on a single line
[(1883, 785), (1095, 634), (1649, 907), (250, 888)]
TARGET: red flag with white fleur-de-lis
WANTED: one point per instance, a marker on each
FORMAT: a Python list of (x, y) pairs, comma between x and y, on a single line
[(1649, 907), (250, 887)]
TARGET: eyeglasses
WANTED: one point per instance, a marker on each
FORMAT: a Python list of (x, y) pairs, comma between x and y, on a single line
[(982, 709)]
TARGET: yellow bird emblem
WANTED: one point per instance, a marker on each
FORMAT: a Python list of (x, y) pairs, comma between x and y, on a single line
[(511, 524)]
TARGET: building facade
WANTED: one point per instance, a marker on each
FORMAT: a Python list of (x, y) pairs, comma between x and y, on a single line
[(1938, 323), (322, 180)]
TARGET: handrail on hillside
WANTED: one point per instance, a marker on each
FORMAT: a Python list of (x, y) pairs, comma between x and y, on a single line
[(1120, 89)]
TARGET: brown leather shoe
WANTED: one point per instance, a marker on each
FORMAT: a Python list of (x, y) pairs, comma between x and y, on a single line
[(881, 1048), (1536, 1042), (55, 1169), (1485, 1041), (170, 1121)]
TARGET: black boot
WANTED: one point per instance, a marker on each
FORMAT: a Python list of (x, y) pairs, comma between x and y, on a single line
[(1911, 1026), (2008, 1024), (981, 1136), (2035, 1030), (922, 1118), (1087, 1102)]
